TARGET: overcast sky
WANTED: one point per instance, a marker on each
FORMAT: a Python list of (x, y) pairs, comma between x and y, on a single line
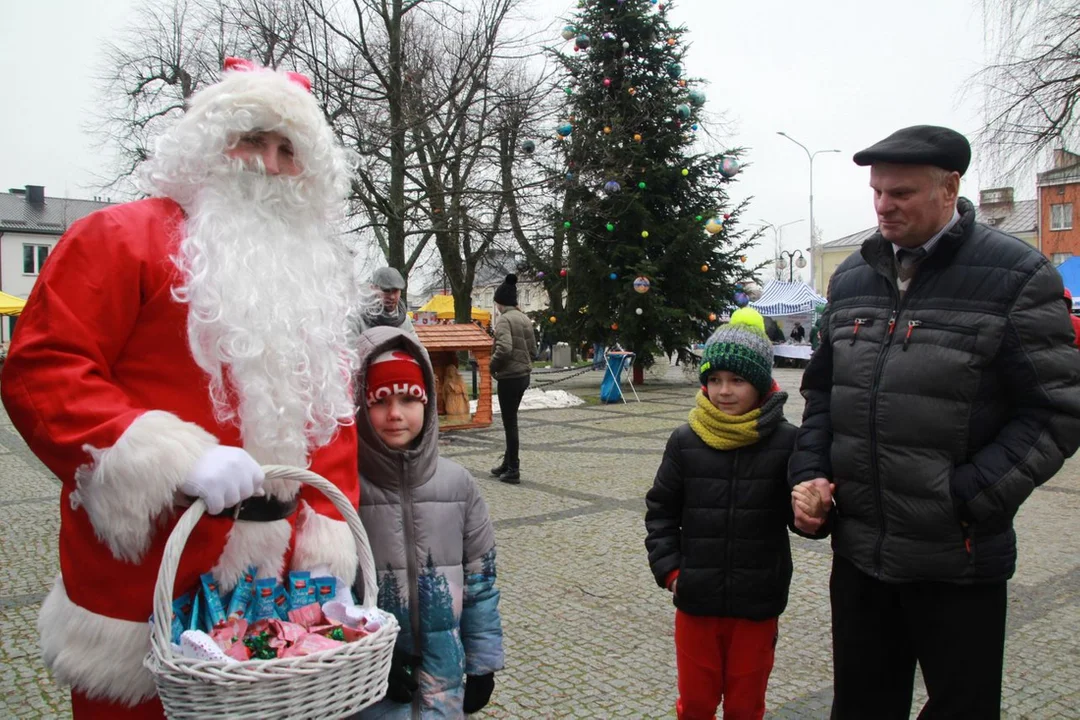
[(831, 73)]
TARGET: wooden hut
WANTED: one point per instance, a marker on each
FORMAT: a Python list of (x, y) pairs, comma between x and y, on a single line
[(443, 342)]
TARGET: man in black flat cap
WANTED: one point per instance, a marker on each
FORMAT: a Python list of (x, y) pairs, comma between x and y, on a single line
[(944, 391), (382, 305)]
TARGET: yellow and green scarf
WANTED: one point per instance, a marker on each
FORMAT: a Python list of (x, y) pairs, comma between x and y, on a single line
[(721, 431)]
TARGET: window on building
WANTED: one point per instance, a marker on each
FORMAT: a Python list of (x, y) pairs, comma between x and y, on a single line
[(1058, 258), (34, 258), (1061, 216)]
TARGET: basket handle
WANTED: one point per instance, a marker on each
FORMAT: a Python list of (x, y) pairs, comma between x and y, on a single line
[(161, 629)]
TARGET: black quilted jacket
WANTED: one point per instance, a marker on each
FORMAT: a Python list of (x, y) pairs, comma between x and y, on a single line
[(938, 414), (721, 518)]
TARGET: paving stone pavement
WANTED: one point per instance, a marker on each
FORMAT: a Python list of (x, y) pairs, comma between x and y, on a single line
[(588, 633)]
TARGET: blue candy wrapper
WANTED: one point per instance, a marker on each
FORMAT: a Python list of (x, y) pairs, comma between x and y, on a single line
[(262, 607), (326, 588), (195, 620), (181, 607), (300, 589), (215, 613), (281, 602), (240, 602)]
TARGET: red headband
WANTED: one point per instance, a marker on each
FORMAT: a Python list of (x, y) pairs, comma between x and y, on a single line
[(242, 65)]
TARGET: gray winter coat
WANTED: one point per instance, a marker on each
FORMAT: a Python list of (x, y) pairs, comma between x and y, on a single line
[(515, 345), (937, 414), (434, 549)]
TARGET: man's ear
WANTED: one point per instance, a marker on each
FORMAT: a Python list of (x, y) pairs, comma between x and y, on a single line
[(952, 186)]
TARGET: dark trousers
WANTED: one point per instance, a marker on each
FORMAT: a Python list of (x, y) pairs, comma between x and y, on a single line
[(510, 391), (880, 630)]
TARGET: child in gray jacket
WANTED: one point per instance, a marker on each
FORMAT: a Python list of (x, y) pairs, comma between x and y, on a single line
[(431, 536)]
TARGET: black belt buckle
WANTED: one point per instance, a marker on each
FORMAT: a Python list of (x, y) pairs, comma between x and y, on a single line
[(261, 509)]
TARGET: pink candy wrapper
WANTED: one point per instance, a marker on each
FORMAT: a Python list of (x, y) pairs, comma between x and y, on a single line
[(230, 633), (307, 615), (310, 644)]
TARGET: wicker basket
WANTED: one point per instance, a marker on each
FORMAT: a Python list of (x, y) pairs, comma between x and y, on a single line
[(328, 684)]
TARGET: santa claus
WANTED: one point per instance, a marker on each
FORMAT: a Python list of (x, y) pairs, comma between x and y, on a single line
[(170, 347)]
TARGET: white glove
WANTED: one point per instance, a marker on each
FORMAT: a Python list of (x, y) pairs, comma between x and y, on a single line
[(224, 476)]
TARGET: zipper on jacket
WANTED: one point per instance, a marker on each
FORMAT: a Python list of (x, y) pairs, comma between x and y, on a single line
[(912, 324), (730, 534), (411, 573), (859, 322), (958, 329), (879, 364)]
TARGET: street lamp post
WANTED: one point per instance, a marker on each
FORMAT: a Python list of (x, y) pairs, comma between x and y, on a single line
[(813, 240), (794, 259), (778, 233)]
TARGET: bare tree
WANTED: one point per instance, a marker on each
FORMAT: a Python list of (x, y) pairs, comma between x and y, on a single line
[(1033, 85)]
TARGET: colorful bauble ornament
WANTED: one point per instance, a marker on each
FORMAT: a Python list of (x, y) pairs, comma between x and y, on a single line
[(612, 276), (612, 186), (540, 275), (607, 82), (607, 129), (632, 91), (568, 32), (741, 299), (641, 185), (614, 326), (674, 70), (645, 234), (682, 83), (566, 225), (694, 127), (565, 129), (568, 90), (610, 227), (562, 273), (552, 319), (582, 42), (527, 147), (625, 44), (713, 226), (683, 111), (685, 172), (704, 268), (742, 258), (697, 97), (608, 35), (712, 317), (729, 166), (637, 137), (671, 41), (570, 176), (638, 311), (727, 216), (641, 284)]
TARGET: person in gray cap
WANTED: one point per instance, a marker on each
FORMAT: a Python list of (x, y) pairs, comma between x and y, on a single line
[(382, 306), (944, 391)]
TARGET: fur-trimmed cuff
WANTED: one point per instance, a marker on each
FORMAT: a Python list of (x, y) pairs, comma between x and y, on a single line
[(99, 656), (126, 487), (324, 541)]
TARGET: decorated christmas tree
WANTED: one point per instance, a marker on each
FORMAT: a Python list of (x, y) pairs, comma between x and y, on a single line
[(654, 256)]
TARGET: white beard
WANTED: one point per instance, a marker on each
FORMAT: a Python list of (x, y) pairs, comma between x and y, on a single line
[(268, 285)]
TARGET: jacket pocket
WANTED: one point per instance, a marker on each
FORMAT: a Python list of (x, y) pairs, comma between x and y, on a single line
[(957, 337), (849, 333)]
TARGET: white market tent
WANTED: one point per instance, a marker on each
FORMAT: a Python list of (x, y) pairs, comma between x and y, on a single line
[(787, 298)]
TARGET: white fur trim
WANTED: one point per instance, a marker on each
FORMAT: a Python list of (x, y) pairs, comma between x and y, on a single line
[(262, 544), (102, 657), (321, 540), (126, 488)]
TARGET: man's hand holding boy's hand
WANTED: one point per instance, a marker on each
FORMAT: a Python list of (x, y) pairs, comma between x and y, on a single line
[(811, 502)]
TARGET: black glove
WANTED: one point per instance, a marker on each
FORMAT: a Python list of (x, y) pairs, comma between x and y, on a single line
[(401, 683), (477, 692)]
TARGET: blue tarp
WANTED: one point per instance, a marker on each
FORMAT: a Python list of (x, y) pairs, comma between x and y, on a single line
[(610, 389), (1070, 275)]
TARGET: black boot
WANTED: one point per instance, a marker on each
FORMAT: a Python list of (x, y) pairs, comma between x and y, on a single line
[(512, 476), (499, 469)]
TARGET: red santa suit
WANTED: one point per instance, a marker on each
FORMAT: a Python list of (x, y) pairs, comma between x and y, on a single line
[(101, 384)]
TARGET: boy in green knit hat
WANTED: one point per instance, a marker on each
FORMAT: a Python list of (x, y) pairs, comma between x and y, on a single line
[(717, 521)]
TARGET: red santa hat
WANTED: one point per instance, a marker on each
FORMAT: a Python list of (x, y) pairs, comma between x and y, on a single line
[(395, 372)]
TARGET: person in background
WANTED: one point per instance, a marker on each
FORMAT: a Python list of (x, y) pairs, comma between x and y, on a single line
[(381, 306), (511, 366), (945, 390), (798, 333), (1072, 318)]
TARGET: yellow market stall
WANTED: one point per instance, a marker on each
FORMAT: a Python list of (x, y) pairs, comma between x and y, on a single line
[(443, 307)]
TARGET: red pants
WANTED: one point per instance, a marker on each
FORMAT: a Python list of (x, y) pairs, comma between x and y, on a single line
[(725, 658), (83, 708)]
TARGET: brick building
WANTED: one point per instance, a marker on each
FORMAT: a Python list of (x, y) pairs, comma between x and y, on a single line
[(1059, 199)]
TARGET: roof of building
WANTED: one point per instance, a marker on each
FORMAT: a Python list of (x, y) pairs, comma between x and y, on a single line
[(437, 338), (53, 217), (1067, 174), (1021, 216)]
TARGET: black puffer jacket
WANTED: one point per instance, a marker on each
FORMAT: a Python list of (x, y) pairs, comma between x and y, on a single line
[(720, 517), (937, 415)]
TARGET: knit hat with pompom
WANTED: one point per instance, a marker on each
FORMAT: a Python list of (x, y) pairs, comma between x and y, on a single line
[(742, 347), (506, 294)]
